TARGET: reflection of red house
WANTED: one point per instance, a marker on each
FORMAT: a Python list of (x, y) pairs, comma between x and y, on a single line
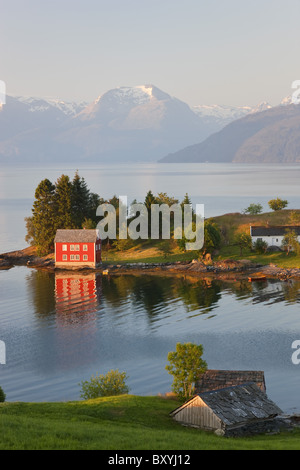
[(75, 293), (77, 248)]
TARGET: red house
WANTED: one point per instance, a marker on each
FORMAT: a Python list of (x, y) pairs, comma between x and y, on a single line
[(77, 248)]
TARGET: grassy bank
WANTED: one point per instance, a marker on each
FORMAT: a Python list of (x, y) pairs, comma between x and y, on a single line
[(154, 251), (117, 423), (280, 259)]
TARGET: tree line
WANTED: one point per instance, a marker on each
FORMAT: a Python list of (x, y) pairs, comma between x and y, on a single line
[(69, 204)]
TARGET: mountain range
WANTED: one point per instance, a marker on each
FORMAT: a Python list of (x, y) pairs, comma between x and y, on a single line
[(270, 136), (131, 124)]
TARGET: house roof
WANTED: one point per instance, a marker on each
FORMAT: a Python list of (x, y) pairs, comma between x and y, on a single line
[(238, 404), (76, 236), (234, 405), (272, 231), (213, 379)]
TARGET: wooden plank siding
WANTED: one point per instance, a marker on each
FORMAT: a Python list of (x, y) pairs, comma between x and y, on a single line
[(198, 414), (227, 408)]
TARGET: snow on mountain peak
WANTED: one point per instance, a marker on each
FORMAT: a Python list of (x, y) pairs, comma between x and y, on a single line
[(263, 106), (45, 104), (136, 94)]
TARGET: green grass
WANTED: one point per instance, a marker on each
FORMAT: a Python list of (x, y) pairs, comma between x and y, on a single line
[(150, 251), (147, 251), (172, 258), (117, 423), (280, 259)]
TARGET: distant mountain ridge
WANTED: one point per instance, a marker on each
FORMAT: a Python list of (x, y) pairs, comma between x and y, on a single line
[(221, 115), (125, 124), (270, 136), (139, 123)]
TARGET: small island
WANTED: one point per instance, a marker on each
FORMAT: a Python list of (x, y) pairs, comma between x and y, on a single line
[(249, 245)]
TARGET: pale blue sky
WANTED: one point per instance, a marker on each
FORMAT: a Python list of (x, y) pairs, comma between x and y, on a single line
[(214, 51)]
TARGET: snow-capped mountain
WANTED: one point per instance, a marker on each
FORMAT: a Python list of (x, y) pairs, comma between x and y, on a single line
[(129, 123), (221, 115), (47, 104), (133, 123), (139, 123)]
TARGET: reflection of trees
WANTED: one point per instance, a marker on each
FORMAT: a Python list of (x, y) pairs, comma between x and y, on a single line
[(203, 294), (154, 294), (149, 291), (276, 291), (117, 288), (291, 292), (41, 286), (242, 289)]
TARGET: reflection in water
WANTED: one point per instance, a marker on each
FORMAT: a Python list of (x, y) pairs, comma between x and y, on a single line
[(41, 286), (77, 297), (275, 292), (203, 294), (68, 326)]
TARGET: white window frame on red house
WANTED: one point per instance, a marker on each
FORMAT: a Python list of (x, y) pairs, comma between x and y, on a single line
[(85, 248), (65, 257), (65, 248)]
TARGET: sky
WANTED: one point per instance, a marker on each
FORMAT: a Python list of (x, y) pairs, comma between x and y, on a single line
[(232, 52)]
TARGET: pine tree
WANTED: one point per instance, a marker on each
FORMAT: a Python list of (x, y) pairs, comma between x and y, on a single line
[(80, 201), (63, 203), (43, 217), (149, 200)]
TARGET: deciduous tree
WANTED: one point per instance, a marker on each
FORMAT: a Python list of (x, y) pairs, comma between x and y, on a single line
[(253, 209), (277, 204), (186, 366)]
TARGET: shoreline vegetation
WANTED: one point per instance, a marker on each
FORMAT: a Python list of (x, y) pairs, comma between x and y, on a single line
[(228, 248), (226, 269), (229, 260)]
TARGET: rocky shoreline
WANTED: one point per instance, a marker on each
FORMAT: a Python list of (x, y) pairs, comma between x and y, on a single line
[(224, 269)]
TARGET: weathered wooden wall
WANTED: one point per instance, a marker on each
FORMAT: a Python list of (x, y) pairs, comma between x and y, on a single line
[(197, 413)]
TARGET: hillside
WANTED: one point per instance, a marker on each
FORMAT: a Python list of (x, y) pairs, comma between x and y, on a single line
[(271, 136), (117, 423)]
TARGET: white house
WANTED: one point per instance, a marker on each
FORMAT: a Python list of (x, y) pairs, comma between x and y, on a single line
[(272, 235)]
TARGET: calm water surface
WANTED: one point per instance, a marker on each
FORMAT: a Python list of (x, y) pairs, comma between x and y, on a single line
[(61, 329)]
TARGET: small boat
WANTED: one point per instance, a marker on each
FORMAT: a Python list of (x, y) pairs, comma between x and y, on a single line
[(257, 277)]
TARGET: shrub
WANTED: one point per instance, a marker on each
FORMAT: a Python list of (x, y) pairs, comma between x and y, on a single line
[(2, 396), (277, 204), (253, 209), (113, 383), (260, 246)]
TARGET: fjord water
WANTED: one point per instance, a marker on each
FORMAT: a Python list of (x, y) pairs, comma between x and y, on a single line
[(59, 331)]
